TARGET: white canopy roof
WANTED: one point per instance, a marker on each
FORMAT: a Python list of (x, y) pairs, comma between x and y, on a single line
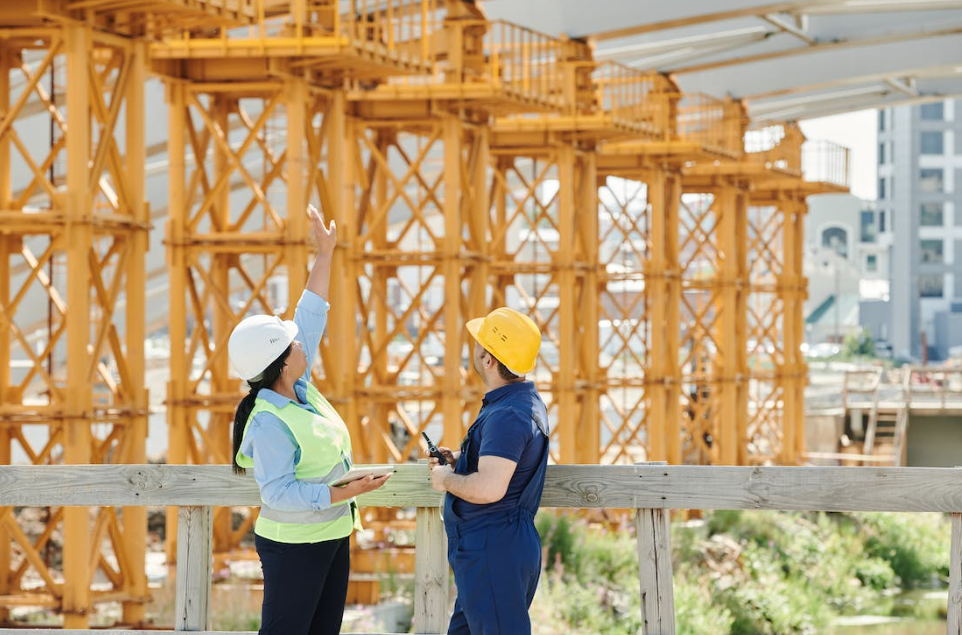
[(787, 60)]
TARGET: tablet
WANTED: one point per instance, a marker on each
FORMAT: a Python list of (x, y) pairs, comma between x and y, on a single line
[(361, 472)]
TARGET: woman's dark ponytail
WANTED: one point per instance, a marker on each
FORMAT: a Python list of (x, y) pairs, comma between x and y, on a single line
[(267, 379)]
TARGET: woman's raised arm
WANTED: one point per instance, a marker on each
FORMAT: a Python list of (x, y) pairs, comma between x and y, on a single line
[(326, 239)]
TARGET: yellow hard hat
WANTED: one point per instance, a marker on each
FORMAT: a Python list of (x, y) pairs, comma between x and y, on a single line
[(512, 337)]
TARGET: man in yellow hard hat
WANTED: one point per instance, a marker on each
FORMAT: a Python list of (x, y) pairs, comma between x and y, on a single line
[(494, 487)]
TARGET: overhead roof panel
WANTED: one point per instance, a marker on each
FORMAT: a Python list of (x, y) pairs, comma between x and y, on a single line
[(887, 51), (824, 68)]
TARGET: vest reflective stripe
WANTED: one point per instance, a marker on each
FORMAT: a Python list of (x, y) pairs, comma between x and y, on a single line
[(304, 518), (326, 456)]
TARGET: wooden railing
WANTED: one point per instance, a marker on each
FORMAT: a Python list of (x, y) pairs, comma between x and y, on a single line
[(652, 489)]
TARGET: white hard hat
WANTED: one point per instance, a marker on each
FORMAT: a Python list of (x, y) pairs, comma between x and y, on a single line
[(257, 341)]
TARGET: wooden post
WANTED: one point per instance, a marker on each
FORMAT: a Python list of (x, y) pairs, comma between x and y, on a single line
[(194, 553), (653, 529), (954, 614), (430, 572)]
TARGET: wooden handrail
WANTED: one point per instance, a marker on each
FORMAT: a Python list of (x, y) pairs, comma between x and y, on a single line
[(915, 489), (651, 489)]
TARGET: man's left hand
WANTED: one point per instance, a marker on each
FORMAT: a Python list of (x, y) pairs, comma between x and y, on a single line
[(439, 474)]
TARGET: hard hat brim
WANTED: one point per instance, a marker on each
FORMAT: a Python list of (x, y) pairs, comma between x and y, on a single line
[(474, 328)]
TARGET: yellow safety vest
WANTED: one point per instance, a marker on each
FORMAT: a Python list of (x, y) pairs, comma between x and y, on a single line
[(325, 457)]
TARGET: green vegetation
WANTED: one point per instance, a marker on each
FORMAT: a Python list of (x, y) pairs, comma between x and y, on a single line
[(742, 573), (857, 345)]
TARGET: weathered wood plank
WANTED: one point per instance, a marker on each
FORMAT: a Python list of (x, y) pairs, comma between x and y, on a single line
[(913, 489), (194, 569), (430, 573), (954, 615), (653, 532), (161, 485)]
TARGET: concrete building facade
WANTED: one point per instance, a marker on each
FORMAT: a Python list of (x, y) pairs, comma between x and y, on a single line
[(920, 211), (847, 267)]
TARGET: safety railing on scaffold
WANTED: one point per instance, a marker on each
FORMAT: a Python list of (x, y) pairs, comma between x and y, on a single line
[(389, 30), (825, 162), (777, 147), (715, 124), (638, 101), (496, 65), (652, 489)]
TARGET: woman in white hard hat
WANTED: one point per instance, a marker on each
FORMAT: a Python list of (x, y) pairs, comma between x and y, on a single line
[(297, 445)]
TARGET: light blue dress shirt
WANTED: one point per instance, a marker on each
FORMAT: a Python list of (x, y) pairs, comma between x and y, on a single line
[(269, 441)]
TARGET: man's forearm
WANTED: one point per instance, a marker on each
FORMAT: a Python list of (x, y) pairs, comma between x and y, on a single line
[(472, 488)]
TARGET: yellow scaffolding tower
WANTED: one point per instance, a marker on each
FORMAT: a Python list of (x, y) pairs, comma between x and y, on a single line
[(467, 163), (73, 237)]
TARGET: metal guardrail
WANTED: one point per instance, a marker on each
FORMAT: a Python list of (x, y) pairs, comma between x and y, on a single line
[(714, 123), (398, 30), (825, 162), (635, 99), (651, 489)]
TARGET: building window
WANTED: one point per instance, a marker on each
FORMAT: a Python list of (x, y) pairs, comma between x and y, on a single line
[(931, 215), (930, 180), (932, 112), (871, 263), (881, 153), (881, 188), (836, 239), (867, 233), (881, 222), (930, 285), (932, 252), (932, 143), (881, 121)]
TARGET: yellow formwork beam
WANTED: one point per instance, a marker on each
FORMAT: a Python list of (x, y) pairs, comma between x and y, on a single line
[(219, 246), (543, 230), (7, 247), (88, 249), (135, 518)]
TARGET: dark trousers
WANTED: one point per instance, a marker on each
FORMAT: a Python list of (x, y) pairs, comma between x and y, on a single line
[(305, 586), (496, 569)]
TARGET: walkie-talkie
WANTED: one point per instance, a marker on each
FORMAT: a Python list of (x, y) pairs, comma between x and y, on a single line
[(433, 449)]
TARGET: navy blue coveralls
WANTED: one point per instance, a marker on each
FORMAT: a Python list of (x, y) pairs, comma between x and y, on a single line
[(495, 550)]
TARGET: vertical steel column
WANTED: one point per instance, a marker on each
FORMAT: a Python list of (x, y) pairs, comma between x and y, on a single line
[(657, 290), (478, 270), (451, 269), (135, 518), (588, 449), (222, 319), (564, 267), (6, 249), (671, 372), (178, 426), (741, 325), (792, 289), (297, 230), (342, 325), (378, 423), (78, 236), (732, 335), (499, 249)]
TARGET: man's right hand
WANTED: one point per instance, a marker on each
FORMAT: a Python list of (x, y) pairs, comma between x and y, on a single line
[(449, 455)]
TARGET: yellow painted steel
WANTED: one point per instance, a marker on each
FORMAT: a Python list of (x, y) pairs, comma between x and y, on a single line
[(73, 237), (468, 164)]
